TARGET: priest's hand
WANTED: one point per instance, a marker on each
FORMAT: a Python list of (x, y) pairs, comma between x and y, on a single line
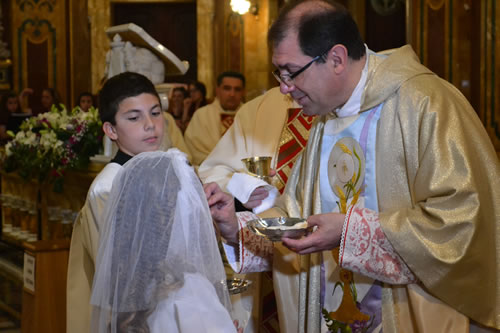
[(259, 194), (325, 237), (222, 209)]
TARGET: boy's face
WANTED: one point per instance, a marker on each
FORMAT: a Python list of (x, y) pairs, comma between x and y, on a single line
[(138, 125)]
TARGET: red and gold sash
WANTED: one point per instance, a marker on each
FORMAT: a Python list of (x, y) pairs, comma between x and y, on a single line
[(226, 120), (293, 140)]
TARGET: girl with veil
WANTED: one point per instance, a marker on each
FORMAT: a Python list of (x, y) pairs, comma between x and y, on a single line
[(158, 267)]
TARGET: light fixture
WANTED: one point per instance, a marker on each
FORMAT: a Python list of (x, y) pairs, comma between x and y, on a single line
[(244, 6)]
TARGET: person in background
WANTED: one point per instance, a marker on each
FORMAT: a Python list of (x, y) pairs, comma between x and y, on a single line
[(197, 99), (176, 106), (11, 115), (48, 98), (210, 122), (85, 101)]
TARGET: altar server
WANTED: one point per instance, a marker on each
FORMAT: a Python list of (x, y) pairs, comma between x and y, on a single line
[(132, 118)]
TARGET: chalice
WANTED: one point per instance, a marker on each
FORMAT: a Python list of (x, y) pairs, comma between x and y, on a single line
[(259, 167)]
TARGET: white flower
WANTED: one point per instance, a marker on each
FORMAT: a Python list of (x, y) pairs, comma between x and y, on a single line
[(31, 139), (8, 150)]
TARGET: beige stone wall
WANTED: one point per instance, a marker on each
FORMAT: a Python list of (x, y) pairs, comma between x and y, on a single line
[(256, 52)]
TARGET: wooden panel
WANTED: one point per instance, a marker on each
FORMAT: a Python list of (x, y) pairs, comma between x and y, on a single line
[(37, 75), (385, 26), (38, 22), (79, 50), (490, 70), (458, 40), (233, 40), (45, 310), (435, 40), (165, 26)]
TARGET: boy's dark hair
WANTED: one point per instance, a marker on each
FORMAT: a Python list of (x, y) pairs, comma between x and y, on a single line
[(236, 75), (120, 87), (319, 29)]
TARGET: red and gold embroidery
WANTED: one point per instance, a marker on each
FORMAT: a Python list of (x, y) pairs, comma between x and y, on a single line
[(293, 140)]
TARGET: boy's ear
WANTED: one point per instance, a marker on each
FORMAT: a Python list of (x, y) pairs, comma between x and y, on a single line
[(109, 130)]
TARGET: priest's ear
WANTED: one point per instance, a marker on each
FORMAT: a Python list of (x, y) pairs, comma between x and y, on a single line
[(109, 130), (338, 57)]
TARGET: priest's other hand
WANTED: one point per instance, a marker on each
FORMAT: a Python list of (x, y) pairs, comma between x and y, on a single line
[(259, 194), (325, 237), (222, 209)]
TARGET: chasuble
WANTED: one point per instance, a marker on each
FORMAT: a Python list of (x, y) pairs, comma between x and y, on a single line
[(431, 198), (207, 126)]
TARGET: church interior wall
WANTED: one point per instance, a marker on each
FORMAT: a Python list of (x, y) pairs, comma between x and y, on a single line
[(63, 44)]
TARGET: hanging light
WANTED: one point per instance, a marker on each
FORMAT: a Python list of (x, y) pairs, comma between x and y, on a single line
[(240, 6)]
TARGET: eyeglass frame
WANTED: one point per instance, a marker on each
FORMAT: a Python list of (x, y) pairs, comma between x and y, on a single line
[(290, 77)]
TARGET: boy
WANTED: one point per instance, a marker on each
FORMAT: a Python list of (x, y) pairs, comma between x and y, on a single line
[(131, 114)]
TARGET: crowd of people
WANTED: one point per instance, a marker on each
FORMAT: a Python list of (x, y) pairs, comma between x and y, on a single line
[(388, 164)]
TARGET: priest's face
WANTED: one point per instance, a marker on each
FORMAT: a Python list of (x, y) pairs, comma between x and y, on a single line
[(230, 93), (139, 125), (315, 87)]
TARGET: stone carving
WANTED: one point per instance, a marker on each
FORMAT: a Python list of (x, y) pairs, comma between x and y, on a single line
[(124, 56)]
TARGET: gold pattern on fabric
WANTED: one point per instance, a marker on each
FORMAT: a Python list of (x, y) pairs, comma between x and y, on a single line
[(226, 121), (292, 141), (286, 136)]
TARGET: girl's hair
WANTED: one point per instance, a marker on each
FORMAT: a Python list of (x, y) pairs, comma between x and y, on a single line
[(56, 98), (5, 98)]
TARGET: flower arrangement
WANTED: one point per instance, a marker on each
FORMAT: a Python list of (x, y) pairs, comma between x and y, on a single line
[(51, 143)]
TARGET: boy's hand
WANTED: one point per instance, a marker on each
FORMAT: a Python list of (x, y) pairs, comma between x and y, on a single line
[(223, 212)]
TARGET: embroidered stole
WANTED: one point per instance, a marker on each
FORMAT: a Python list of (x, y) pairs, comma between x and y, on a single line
[(226, 121), (292, 141)]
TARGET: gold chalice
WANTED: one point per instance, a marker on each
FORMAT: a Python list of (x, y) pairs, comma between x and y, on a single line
[(259, 166)]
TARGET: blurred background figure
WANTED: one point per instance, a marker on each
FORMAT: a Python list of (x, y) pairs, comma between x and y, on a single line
[(176, 106), (197, 98), (85, 101), (11, 115), (48, 98)]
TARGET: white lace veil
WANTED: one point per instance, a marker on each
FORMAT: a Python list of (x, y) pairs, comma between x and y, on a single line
[(158, 227)]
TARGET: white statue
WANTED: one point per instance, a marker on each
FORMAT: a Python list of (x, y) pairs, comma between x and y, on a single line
[(124, 56), (115, 58)]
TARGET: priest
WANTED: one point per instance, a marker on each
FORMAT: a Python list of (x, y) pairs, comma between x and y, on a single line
[(399, 180), (210, 122)]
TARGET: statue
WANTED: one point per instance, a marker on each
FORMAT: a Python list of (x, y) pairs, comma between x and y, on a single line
[(125, 57)]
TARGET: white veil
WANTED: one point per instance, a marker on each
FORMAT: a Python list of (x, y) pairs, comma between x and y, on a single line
[(158, 227)]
